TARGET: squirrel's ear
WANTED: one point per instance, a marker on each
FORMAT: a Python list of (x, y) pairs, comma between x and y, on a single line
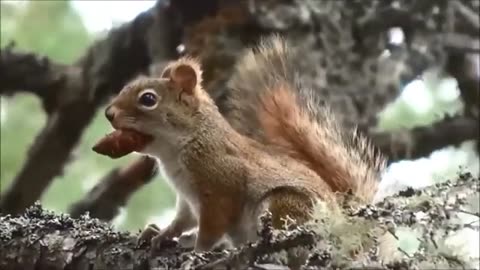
[(166, 72), (184, 76)]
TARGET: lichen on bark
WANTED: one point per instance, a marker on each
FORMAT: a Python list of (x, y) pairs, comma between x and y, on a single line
[(356, 237)]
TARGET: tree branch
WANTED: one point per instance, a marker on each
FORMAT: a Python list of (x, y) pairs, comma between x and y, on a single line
[(42, 240), (47, 156), (421, 141), (464, 68), (101, 72), (460, 43), (471, 20), (29, 72), (469, 14), (113, 191)]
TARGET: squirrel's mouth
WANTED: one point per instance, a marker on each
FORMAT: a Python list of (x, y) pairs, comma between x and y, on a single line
[(121, 142)]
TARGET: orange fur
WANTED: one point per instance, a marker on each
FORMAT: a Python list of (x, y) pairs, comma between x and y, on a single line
[(226, 173), (268, 102), (223, 179), (286, 124)]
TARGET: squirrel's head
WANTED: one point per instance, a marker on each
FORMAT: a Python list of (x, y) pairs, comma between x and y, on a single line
[(166, 106)]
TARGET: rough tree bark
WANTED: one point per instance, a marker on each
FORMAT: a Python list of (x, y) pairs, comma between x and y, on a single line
[(41, 240)]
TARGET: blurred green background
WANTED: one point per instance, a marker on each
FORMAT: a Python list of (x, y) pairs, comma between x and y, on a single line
[(56, 29)]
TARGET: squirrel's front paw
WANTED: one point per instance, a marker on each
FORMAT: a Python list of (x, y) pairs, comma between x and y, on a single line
[(163, 239), (187, 240), (148, 233), (156, 237)]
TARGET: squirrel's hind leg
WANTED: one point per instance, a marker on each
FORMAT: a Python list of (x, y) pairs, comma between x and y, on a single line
[(218, 215), (287, 204)]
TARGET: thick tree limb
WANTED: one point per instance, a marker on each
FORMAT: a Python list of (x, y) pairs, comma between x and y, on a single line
[(113, 191), (41, 240), (434, 212)]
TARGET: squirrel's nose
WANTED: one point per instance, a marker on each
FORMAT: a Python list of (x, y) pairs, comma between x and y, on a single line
[(109, 113)]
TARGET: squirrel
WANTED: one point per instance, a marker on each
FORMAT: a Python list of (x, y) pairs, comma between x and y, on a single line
[(225, 177)]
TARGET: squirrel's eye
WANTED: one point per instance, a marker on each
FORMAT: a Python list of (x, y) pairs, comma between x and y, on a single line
[(148, 99)]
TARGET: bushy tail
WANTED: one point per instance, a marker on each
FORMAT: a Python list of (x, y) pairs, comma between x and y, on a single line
[(267, 101)]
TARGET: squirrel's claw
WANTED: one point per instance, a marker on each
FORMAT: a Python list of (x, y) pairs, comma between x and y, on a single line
[(156, 237), (163, 240), (148, 234)]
